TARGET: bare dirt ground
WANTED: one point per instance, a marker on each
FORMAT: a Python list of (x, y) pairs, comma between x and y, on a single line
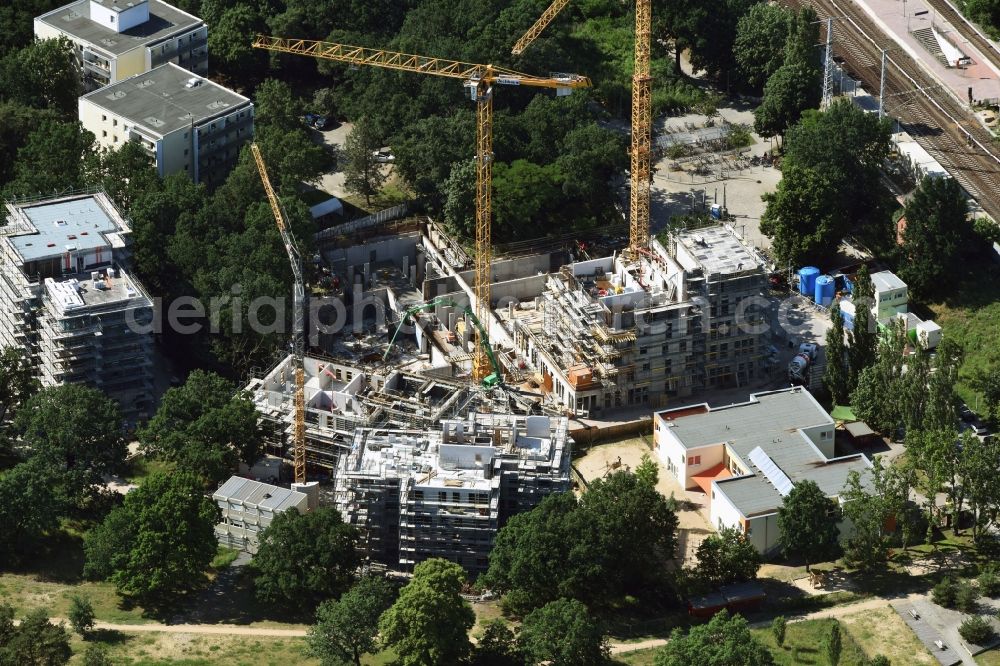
[(692, 510)]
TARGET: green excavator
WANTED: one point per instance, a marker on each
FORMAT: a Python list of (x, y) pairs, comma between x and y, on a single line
[(491, 380)]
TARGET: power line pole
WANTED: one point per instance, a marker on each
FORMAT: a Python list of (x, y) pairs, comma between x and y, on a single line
[(828, 65)]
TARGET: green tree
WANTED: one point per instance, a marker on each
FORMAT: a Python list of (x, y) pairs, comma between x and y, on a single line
[(431, 149), (77, 430), (724, 640), (347, 628), (940, 408), (363, 174), (460, 199), (987, 382), (28, 508), (37, 642), (158, 542), (51, 160), (231, 51), (525, 194), (833, 645), (125, 173), (863, 337), (945, 593), (17, 379), (81, 615), (727, 557), (759, 48), (778, 625), (497, 647), (44, 75), (205, 426), (430, 621), (562, 633), (837, 374), (937, 237), (870, 505), (97, 654), (807, 524), (305, 559), (648, 470), (876, 396), (989, 580), (17, 122)]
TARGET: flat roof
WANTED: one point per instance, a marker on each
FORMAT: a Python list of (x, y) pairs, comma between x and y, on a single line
[(79, 292), (887, 280), (160, 100), (255, 493), (82, 223), (772, 421), (164, 20), (718, 250)]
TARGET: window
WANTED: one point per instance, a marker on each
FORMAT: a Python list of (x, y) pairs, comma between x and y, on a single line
[(645, 367), (104, 133), (112, 19), (114, 122), (114, 138), (694, 460), (104, 118), (713, 494), (185, 151)]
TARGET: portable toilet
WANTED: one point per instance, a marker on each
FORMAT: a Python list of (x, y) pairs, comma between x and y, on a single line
[(825, 290), (807, 280)]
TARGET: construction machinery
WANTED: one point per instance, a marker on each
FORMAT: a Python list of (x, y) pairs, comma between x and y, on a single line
[(540, 25), (479, 79), (642, 114), (298, 319), (488, 381)]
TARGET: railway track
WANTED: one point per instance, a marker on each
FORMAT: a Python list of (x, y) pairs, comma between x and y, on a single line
[(930, 113)]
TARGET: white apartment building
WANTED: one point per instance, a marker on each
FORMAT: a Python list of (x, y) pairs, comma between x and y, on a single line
[(444, 493), (116, 39), (187, 123), (66, 298)]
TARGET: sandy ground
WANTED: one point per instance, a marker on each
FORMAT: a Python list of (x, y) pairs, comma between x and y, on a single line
[(692, 513), (333, 181), (674, 192)]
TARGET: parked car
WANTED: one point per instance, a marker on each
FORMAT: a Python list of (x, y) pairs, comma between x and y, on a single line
[(966, 414), (981, 430), (315, 121), (383, 157)]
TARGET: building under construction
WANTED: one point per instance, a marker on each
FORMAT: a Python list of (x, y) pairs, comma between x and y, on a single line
[(444, 492), (341, 397), (68, 300)]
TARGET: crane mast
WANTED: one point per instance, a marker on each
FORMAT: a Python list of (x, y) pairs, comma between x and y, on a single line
[(298, 319), (480, 80), (642, 125)]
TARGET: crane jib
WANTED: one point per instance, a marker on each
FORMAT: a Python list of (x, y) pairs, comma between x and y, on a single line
[(508, 80)]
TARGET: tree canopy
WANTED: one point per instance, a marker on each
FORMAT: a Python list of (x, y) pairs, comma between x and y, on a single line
[(807, 523), (205, 426), (724, 640), (305, 559), (614, 541), (759, 47), (35, 641), (727, 557), (347, 628), (159, 542), (17, 379), (430, 621), (563, 632)]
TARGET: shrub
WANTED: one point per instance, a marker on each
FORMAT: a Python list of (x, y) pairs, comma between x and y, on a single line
[(989, 581), (976, 630), (879, 660), (778, 629), (945, 593), (81, 615), (966, 597)]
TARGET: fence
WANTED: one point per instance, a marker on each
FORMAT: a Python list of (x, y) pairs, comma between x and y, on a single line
[(372, 220)]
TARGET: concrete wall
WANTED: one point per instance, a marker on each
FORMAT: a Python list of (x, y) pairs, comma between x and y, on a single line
[(763, 532), (510, 269), (176, 153), (128, 64), (723, 512), (523, 289), (822, 438), (389, 249)]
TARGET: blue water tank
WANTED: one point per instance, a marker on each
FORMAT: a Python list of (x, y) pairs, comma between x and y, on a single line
[(807, 280), (825, 290)]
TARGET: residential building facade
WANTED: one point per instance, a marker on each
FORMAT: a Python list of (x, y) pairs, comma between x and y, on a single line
[(248, 507), (445, 493), (187, 123), (117, 39), (67, 298)]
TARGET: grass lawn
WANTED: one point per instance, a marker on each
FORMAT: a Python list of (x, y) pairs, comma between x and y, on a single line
[(989, 658), (971, 317), (148, 648), (884, 632), (140, 468), (392, 194), (804, 644), (637, 658), (224, 557)]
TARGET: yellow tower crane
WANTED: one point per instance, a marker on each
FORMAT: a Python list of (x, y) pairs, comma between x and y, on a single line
[(542, 23), (642, 129), (642, 114), (479, 79), (298, 316)]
